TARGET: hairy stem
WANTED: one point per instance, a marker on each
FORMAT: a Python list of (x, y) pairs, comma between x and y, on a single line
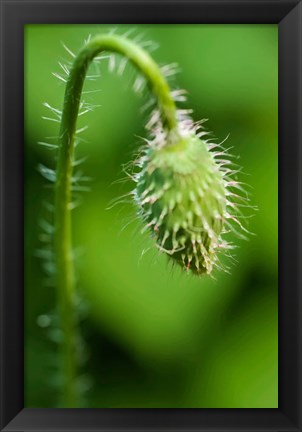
[(63, 239)]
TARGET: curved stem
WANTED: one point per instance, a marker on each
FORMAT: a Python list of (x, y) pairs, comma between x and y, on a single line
[(62, 241)]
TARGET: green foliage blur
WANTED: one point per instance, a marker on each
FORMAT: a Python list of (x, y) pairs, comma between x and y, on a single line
[(154, 336)]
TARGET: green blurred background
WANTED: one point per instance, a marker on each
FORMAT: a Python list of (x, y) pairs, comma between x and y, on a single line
[(155, 337)]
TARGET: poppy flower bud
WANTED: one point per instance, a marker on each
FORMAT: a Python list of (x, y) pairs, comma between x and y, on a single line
[(182, 197)]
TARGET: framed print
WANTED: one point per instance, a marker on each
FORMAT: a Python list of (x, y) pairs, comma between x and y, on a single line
[(150, 236)]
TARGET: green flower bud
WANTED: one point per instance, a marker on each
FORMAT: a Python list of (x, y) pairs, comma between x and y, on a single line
[(182, 197)]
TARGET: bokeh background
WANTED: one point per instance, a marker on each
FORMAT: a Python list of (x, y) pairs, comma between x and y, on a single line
[(153, 336)]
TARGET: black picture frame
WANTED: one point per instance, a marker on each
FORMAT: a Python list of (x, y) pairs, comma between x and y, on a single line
[(14, 15)]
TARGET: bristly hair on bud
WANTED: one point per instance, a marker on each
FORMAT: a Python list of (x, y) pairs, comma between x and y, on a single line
[(183, 191)]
